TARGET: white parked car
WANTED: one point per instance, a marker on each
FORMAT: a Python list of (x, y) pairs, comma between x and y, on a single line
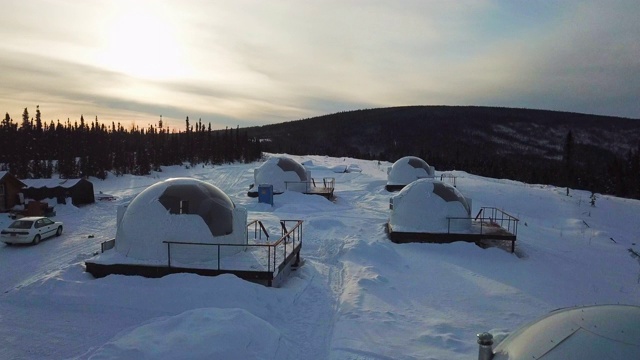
[(30, 230)]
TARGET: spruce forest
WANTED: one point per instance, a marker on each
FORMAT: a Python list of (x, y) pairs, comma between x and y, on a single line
[(36, 149), (596, 153)]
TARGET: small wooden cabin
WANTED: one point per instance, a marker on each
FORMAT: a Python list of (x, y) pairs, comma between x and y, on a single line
[(10, 187)]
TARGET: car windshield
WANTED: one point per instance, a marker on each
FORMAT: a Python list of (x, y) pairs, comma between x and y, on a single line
[(21, 224)]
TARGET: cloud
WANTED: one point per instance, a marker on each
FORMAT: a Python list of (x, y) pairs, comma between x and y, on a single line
[(583, 61), (58, 85), (247, 62)]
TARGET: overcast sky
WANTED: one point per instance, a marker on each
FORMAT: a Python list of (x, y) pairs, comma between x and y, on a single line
[(257, 62)]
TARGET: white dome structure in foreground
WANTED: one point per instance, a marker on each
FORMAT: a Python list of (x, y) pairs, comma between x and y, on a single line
[(283, 173), (407, 170), (585, 333), (425, 205), (183, 210)]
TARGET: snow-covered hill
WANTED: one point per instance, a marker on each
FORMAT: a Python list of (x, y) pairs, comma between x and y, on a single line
[(357, 296)]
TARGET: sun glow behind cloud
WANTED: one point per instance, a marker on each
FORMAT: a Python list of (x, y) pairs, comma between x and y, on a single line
[(248, 62), (142, 42), (166, 57)]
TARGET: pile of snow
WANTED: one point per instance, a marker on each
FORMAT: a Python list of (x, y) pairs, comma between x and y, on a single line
[(351, 168), (207, 333)]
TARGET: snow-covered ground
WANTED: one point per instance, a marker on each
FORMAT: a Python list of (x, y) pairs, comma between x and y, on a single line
[(357, 296)]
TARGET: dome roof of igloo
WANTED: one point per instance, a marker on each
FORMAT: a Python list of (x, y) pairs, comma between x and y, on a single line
[(408, 169), (425, 206), (278, 170), (589, 332), (179, 209)]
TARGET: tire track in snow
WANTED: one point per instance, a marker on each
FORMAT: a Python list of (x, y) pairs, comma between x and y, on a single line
[(318, 300), (25, 264)]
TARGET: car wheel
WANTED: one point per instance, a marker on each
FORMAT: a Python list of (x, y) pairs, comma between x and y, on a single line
[(59, 232), (36, 239)]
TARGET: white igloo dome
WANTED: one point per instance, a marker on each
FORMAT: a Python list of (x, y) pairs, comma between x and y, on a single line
[(407, 170), (279, 170), (425, 205), (180, 210), (585, 333)]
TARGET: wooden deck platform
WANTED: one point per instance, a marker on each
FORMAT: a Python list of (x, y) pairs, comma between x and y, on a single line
[(259, 261), (324, 187), (326, 192), (479, 232), (260, 276)]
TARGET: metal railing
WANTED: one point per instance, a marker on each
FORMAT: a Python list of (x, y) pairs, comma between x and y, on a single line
[(448, 177), (258, 230), (328, 184), (491, 222), (489, 218), (500, 218), (269, 255)]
